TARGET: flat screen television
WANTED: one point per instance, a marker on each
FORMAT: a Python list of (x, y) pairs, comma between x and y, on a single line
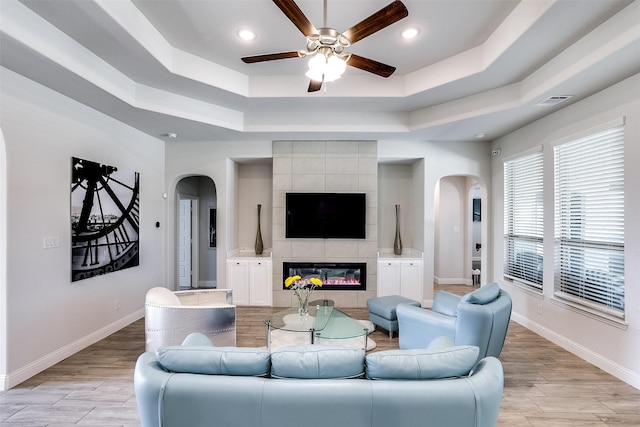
[(326, 215)]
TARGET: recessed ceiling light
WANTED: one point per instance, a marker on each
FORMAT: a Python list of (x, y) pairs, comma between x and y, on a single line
[(480, 135), (410, 33), (246, 34)]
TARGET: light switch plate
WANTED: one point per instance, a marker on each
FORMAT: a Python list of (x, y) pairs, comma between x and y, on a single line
[(50, 242)]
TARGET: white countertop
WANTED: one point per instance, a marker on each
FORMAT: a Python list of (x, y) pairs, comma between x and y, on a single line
[(248, 253), (387, 254)]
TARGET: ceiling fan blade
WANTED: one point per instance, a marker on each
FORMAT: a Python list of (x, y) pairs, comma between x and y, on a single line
[(270, 57), (314, 86), (370, 65), (379, 20), (295, 15)]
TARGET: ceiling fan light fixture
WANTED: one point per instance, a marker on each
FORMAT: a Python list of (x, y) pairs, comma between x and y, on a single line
[(316, 77), (326, 68), (335, 67), (317, 63), (326, 47)]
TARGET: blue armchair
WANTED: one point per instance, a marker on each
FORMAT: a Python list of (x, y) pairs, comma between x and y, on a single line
[(480, 318)]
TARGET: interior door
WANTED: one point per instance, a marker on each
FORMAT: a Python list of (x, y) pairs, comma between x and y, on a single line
[(184, 243)]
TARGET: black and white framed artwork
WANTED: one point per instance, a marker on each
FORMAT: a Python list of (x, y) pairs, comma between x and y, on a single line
[(212, 227), (105, 219)]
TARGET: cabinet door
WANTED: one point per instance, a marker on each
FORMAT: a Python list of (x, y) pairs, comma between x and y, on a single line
[(260, 278), (411, 279), (388, 278), (238, 280)]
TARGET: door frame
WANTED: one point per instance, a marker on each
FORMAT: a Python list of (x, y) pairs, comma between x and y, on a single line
[(195, 242)]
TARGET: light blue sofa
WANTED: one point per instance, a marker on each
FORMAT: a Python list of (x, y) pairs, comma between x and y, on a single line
[(197, 385), (479, 318)]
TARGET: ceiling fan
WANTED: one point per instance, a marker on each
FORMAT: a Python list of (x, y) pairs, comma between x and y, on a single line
[(327, 46)]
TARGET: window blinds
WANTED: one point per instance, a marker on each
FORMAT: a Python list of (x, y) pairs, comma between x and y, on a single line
[(589, 221), (523, 215)]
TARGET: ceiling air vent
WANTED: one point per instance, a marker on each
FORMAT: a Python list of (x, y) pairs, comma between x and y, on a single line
[(553, 100)]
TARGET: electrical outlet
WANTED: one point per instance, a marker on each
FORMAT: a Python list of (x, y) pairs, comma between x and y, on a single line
[(116, 306), (539, 309)]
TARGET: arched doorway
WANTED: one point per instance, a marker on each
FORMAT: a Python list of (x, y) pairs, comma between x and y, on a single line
[(475, 232), (196, 246), (458, 230)]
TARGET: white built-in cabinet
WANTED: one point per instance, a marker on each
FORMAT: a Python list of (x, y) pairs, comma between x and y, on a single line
[(251, 280), (401, 276)]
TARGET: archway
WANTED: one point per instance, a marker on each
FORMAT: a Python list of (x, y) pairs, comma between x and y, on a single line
[(196, 246), (457, 237)]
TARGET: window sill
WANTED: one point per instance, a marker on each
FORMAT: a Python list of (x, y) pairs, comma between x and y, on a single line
[(592, 314), (524, 287)]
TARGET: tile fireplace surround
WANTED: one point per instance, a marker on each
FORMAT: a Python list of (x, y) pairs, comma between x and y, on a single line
[(332, 167)]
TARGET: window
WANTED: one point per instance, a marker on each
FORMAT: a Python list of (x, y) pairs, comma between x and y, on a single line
[(523, 216), (589, 221)]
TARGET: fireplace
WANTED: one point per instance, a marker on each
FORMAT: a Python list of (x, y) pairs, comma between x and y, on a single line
[(335, 276)]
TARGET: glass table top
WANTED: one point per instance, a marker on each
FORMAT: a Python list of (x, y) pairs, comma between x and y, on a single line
[(324, 320)]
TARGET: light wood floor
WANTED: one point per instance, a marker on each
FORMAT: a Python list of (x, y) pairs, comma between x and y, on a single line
[(544, 385)]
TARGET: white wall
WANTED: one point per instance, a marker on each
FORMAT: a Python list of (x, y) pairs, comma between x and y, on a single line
[(395, 184), (220, 161), (613, 346), (451, 226), (49, 318), (255, 186), (3, 255), (437, 160)]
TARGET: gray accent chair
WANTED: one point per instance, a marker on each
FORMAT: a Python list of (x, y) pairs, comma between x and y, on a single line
[(171, 316), (479, 318)]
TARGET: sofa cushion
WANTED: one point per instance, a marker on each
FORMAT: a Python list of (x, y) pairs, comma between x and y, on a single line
[(422, 364), (484, 295), (204, 359), (317, 361)]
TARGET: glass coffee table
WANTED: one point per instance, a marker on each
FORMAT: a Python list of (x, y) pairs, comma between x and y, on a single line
[(324, 322)]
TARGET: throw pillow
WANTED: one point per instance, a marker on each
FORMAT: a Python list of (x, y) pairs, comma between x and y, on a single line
[(197, 338), (161, 296), (441, 342), (422, 364), (317, 361), (484, 295), (199, 359)]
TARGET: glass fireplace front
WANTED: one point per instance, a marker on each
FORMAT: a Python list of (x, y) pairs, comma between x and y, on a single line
[(343, 276)]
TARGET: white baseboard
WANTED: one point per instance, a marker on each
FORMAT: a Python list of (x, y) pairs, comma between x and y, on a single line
[(24, 373), (207, 283), (596, 359), (446, 281)]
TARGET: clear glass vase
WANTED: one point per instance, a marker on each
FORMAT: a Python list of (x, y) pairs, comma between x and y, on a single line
[(303, 307)]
